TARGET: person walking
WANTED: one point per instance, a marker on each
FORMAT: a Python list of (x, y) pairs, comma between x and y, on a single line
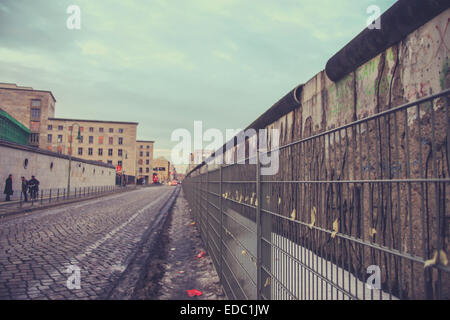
[(33, 185), (24, 189), (8, 188)]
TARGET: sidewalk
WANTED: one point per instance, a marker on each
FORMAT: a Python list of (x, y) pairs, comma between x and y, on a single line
[(14, 207), (182, 268)]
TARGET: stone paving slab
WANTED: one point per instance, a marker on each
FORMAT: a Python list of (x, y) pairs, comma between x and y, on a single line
[(97, 236)]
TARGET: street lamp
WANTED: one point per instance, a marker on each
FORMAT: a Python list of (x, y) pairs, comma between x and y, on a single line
[(70, 153)]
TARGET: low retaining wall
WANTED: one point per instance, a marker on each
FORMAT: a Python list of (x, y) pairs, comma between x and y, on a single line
[(51, 169)]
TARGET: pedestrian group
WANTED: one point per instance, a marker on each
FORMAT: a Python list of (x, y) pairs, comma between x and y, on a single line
[(31, 186)]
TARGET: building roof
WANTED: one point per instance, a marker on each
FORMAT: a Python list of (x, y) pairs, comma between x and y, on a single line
[(13, 86), (99, 121), (13, 120), (151, 141)]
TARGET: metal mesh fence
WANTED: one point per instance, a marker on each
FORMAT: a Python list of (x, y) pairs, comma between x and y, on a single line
[(370, 195)]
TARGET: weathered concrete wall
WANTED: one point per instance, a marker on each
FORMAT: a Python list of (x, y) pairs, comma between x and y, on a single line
[(404, 216), (51, 169), (408, 217)]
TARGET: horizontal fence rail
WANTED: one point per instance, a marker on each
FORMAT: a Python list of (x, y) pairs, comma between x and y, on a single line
[(356, 212), (38, 197)]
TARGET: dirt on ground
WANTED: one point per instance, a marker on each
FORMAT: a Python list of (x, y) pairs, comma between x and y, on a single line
[(175, 267)]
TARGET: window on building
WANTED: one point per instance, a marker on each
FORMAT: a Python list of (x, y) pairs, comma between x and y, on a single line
[(148, 147), (155, 169), (90, 151), (60, 138), (141, 154), (35, 114), (70, 128), (49, 138), (147, 170), (148, 154), (49, 127), (120, 130), (60, 128), (100, 140), (111, 130), (35, 103), (91, 139), (140, 170), (80, 151), (119, 163), (109, 161), (142, 146), (91, 129), (110, 152), (100, 129), (120, 140), (110, 140), (147, 161), (81, 139), (119, 152), (100, 151)]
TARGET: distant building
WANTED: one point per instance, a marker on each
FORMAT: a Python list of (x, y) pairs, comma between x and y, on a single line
[(111, 142), (30, 107), (144, 160), (162, 168), (197, 157)]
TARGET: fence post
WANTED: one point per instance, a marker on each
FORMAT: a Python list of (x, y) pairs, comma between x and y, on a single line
[(50, 196), (221, 226), (207, 208), (20, 200), (258, 227)]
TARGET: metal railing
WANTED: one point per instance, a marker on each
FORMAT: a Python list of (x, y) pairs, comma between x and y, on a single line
[(48, 196), (365, 199)]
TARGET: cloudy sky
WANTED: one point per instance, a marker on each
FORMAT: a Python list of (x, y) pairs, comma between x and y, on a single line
[(166, 63)]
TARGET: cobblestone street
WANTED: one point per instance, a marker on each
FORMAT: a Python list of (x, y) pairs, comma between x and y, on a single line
[(98, 236)]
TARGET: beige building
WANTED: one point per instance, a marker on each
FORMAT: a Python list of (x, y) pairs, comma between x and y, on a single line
[(30, 107), (111, 142), (144, 159), (162, 168)]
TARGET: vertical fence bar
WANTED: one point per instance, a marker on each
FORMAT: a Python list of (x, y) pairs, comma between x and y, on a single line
[(207, 209), (221, 225), (258, 228)]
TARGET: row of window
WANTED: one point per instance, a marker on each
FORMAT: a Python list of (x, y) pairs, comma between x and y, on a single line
[(99, 152), (147, 154), (141, 161), (142, 147), (146, 170), (91, 129), (91, 139)]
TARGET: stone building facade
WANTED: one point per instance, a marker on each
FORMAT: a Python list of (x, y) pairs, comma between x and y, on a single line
[(30, 107), (162, 168), (144, 160), (110, 142)]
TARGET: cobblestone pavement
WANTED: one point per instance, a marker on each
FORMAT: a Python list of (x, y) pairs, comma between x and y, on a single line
[(97, 236), (183, 270)]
